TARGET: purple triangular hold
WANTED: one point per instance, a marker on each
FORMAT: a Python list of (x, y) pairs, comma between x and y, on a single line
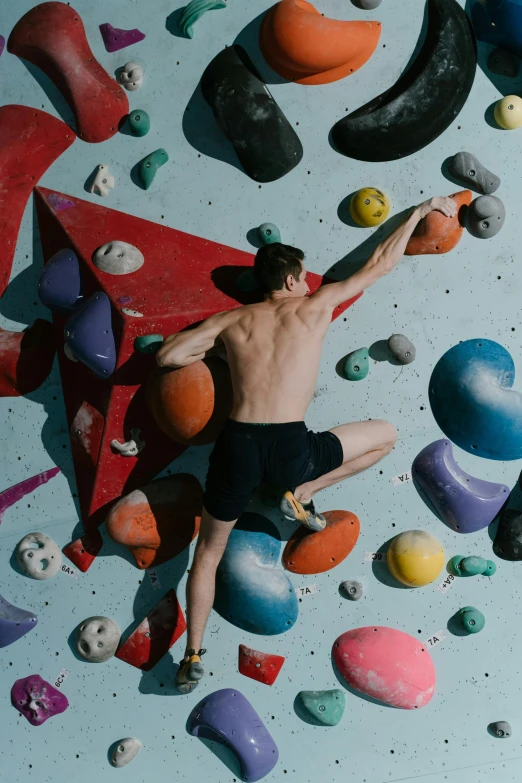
[(464, 503), (59, 202), (14, 622), (115, 38), (2, 44), (60, 285), (37, 700), (89, 335), (15, 493)]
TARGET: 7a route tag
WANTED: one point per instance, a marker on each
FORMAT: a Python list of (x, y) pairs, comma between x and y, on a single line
[(69, 570), (402, 478), (308, 590), (374, 557), (446, 584), (435, 639), (154, 578)]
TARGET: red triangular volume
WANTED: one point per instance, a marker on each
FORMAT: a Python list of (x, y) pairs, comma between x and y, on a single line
[(260, 666), (155, 635), (184, 279)]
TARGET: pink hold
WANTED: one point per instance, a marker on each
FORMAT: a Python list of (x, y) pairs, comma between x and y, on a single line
[(12, 495), (115, 39), (124, 300), (2, 43), (37, 700), (59, 202)]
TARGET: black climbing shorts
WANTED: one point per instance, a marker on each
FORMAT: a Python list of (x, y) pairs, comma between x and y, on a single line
[(245, 455)]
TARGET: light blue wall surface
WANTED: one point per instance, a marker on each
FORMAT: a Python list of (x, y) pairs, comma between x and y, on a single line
[(437, 301)]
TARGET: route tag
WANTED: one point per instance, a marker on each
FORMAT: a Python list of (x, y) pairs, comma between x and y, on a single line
[(446, 584), (309, 590), (436, 639), (402, 478), (375, 557), (61, 678), (69, 570), (154, 578)]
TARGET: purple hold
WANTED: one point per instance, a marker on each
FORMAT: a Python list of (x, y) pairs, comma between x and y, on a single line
[(14, 622), (226, 716), (89, 335), (464, 503), (60, 285), (2, 44), (37, 699), (115, 39), (59, 202)]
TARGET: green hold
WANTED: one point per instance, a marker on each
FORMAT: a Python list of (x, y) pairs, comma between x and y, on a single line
[(246, 282), (471, 566), (471, 619), (139, 122), (269, 233), (325, 706), (356, 365), (148, 343), (149, 166), (195, 11)]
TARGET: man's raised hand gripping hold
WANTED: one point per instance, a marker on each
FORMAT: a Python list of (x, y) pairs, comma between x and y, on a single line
[(273, 349)]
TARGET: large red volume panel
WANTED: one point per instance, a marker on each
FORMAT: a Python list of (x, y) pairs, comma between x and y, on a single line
[(52, 37), (30, 141), (183, 280)]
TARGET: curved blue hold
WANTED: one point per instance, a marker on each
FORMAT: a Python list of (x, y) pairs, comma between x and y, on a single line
[(465, 503), (226, 716), (472, 400), (250, 591), (60, 285), (14, 622), (89, 335), (499, 22)]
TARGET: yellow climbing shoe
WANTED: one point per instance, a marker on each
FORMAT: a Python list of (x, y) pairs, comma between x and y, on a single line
[(304, 513), (190, 671)]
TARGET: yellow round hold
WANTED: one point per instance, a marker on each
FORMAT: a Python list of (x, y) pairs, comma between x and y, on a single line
[(508, 112), (415, 558), (369, 207)]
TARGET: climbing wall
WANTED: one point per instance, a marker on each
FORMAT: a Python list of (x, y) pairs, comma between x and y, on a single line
[(470, 293)]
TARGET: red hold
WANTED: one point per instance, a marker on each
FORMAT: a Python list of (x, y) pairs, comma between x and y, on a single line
[(30, 141), (155, 635), (260, 666), (26, 358), (115, 38), (52, 37)]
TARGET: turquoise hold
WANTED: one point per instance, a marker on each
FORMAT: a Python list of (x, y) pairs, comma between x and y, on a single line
[(148, 343), (325, 706), (471, 619), (148, 167), (356, 365), (139, 122), (471, 566), (195, 11), (269, 233)]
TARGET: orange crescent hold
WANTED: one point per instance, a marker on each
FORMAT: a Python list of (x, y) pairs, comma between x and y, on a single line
[(437, 233), (303, 46)]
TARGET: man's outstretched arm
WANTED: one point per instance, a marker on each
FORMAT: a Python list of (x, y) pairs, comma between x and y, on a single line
[(385, 256), (184, 348)]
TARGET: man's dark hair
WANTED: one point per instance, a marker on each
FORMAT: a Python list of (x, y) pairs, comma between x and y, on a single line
[(273, 264)]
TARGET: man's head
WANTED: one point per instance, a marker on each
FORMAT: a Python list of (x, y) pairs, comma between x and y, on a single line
[(280, 268)]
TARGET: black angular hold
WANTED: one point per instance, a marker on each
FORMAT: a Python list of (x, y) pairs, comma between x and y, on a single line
[(508, 541)]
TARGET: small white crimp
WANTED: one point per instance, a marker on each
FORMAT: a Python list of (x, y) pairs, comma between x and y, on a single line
[(130, 76), (103, 181), (130, 448)]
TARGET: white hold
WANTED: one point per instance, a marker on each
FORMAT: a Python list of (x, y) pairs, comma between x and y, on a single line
[(70, 355), (130, 448), (132, 313), (118, 258), (131, 76), (103, 181), (38, 556), (97, 639), (124, 751)]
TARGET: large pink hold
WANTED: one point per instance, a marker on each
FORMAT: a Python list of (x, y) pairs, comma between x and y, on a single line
[(37, 699), (12, 495), (115, 38), (387, 664)]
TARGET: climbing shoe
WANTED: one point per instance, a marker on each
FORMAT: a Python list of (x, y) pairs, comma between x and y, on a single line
[(304, 513), (190, 672)]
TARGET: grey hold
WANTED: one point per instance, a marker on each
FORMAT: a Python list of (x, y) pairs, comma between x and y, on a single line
[(367, 5), (402, 349), (503, 63), (97, 639), (469, 169), (500, 729), (352, 589), (486, 216), (124, 751)]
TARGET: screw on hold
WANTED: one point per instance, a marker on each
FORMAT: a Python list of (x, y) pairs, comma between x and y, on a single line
[(258, 665), (472, 172), (366, 200), (511, 106), (147, 635), (485, 224), (322, 708)]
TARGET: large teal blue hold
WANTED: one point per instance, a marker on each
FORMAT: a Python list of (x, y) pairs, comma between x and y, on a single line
[(471, 619), (471, 566), (269, 233), (325, 706), (473, 401), (356, 365), (195, 11), (251, 592), (148, 167)]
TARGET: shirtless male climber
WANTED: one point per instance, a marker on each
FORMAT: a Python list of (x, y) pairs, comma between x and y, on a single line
[(273, 349)]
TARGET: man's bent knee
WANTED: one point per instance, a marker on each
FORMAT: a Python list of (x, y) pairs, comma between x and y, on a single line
[(388, 433)]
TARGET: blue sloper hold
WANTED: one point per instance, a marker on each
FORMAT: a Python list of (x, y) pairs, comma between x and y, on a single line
[(227, 716), (14, 622), (89, 335), (464, 503), (60, 286), (472, 400), (499, 22), (250, 591)]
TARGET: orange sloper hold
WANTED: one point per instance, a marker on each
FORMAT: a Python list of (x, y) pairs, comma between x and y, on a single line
[(158, 521), (313, 553), (437, 233), (303, 46)]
